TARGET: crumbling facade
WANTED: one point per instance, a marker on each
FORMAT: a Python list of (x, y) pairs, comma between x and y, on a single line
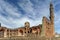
[(45, 29)]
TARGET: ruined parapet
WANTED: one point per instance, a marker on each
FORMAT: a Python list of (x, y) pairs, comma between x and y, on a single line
[(43, 26)]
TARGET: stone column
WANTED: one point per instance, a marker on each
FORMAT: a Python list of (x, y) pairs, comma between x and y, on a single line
[(5, 33)]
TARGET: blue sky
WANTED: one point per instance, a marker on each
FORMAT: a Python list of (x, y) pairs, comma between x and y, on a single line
[(14, 13)]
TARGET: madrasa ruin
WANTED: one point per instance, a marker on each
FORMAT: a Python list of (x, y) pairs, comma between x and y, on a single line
[(45, 29)]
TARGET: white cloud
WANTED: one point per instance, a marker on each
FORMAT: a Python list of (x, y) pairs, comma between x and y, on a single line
[(38, 12), (9, 9)]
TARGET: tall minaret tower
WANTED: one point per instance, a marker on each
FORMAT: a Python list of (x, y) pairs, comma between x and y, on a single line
[(51, 13), (52, 18)]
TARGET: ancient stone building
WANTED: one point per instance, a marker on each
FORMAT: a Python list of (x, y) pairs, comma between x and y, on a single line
[(45, 29), (48, 24)]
